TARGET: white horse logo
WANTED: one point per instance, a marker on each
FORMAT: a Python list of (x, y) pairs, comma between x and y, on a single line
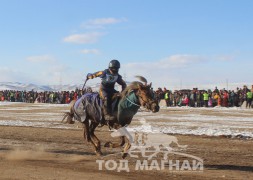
[(143, 142)]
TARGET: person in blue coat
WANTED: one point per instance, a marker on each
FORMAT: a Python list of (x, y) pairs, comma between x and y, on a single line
[(108, 77)]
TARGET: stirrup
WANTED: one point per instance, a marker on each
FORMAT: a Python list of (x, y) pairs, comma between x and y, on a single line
[(109, 117)]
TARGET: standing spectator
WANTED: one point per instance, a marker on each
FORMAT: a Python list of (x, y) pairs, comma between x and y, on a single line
[(252, 92), (47, 94), (12, 98), (185, 100), (67, 100), (225, 98), (160, 94), (167, 98), (175, 97), (249, 99), (198, 99), (217, 97), (192, 98), (232, 98), (51, 97), (23, 95), (210, 102), (244, 92), (179, 99), (63, 100), (1, 96), (75, 95), (205, 97), (216, 90)]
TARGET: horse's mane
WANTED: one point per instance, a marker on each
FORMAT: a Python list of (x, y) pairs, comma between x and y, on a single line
[(133, 86)]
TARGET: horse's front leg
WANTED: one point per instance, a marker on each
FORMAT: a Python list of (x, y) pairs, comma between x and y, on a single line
[(94, 140), (122, 139), (126, 149)]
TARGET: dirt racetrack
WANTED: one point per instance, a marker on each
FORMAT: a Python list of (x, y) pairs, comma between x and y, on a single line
[(58, 153)]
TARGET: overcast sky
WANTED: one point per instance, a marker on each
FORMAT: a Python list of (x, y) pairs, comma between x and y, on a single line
[(172, 43)]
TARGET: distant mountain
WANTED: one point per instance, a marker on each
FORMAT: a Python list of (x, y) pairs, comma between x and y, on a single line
[(28, 87)]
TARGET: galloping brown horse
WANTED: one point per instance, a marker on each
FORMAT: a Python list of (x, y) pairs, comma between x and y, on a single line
[(135, 95)]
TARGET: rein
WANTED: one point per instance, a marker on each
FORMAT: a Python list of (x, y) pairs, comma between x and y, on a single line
[(132, 102)]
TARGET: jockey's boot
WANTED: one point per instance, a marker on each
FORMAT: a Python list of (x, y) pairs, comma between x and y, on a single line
[(108, 114), (108, 110)]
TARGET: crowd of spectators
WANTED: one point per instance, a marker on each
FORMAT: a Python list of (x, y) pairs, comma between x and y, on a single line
[(203, 98), (192, 98), (60, 97)]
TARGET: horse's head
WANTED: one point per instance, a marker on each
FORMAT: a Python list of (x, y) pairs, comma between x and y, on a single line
[(146, 96)]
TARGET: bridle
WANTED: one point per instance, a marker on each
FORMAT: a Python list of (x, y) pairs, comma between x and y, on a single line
[(146, 104)]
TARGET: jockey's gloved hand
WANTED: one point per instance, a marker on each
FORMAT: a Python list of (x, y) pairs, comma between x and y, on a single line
[(89, 76)]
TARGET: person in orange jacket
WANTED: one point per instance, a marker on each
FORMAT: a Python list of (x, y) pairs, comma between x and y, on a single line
[(217, 97)]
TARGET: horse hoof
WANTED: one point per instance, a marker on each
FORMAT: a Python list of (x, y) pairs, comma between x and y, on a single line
[(124, 155), (98, 153)]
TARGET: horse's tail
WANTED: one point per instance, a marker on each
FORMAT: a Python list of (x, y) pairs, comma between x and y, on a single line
[(69, 115)]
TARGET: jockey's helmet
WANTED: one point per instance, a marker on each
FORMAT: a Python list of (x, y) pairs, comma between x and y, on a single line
[(114, 65)]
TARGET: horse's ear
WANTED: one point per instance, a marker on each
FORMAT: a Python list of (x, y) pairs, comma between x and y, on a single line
[(140, 86), (150, 85)]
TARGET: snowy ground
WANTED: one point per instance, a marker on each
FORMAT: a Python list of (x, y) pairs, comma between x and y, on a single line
[(175, 120), (199, 121)]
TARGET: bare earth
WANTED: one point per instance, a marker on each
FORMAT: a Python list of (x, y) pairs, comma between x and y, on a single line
[(49, 153)]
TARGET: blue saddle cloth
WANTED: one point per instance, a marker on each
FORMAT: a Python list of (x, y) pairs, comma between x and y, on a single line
[(90, 105)]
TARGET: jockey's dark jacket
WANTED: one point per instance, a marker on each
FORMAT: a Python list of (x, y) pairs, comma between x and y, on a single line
[(108, 79)]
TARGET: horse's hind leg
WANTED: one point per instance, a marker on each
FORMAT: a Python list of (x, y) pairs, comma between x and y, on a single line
[(94, 140), (86, 132)]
